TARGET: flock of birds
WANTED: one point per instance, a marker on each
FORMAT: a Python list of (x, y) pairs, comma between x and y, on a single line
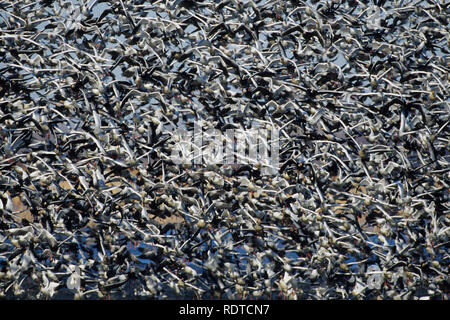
[(93, 207)]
